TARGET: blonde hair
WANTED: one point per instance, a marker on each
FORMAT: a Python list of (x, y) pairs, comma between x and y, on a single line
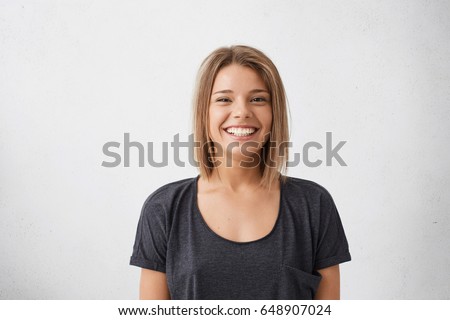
[(279, 133)]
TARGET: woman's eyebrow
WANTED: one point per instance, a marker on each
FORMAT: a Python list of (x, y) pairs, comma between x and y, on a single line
[(251, 91), (223, 91), (259, 90)]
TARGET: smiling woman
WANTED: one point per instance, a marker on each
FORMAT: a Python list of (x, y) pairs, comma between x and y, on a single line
[(241, 229), (241, 83)]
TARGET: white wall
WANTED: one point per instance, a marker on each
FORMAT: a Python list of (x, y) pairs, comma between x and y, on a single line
[(75, 75)]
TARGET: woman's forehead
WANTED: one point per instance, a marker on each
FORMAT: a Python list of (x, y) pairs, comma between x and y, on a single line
[(237, 78)]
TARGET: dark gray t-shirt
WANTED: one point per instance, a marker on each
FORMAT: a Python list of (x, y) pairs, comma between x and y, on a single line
[(173, 237)]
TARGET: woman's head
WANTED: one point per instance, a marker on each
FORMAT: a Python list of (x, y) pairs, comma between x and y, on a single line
[(248, 91)]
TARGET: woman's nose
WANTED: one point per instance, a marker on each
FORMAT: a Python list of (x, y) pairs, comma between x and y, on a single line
[(241, 110)]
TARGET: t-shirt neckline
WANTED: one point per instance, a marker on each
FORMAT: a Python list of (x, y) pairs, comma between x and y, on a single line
[(203, 222)]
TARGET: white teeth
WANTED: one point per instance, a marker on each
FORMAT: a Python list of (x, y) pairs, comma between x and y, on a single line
[(241, 132)]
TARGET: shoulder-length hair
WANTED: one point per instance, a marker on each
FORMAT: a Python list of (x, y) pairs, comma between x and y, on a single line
[(274, 155)]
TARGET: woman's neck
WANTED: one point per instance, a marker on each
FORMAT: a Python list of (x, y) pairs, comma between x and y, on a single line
[(235, 179)]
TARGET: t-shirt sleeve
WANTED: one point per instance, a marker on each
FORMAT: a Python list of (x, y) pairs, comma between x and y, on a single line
[(149, 250), (332, 246)]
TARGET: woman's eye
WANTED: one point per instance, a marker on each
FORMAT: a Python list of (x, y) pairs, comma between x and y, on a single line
[(259, 99), (223, 100)]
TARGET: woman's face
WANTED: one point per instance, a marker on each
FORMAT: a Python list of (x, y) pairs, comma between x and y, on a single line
[(240, 111)]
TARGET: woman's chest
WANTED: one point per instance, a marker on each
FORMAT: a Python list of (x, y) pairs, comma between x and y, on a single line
[(240, 218), (217, 270)]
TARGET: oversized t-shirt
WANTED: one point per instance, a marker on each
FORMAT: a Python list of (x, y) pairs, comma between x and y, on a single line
[(172, 237)]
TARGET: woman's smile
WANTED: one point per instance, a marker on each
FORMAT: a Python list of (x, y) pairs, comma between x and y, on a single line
[(241, 132)]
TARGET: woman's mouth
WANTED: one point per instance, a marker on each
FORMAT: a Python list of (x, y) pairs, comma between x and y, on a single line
[(241, 133)]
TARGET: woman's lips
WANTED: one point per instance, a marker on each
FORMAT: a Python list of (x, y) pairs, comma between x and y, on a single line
[(242, 138)]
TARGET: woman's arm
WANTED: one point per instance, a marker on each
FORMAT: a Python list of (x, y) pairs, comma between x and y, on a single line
[(329, 287), (153, 285)]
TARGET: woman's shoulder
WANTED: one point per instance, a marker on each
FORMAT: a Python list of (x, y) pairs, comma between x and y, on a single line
[(298, 186), (303, 192), (175, 185), (166, 194)]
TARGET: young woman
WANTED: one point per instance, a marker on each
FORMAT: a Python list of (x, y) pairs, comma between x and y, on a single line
[(241, 229)]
